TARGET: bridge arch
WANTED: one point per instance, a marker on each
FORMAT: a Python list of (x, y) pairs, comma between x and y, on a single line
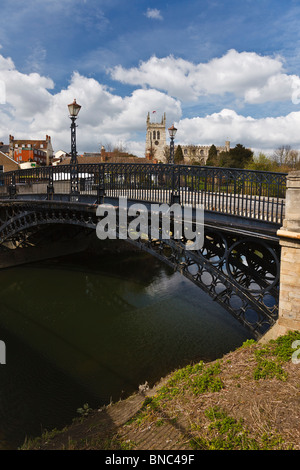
[(239, 272)]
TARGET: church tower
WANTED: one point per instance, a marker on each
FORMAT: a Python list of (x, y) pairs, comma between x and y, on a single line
[(156, 138)]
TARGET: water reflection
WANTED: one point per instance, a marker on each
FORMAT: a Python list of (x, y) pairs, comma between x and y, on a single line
[(92, 328)]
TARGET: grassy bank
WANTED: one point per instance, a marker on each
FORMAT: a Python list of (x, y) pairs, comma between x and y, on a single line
[(247, 400)]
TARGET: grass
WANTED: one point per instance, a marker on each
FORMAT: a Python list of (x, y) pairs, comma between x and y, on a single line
[(227, 433), (271, 358)]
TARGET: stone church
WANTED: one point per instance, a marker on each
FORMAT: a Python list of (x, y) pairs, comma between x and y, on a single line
[(157, 146)]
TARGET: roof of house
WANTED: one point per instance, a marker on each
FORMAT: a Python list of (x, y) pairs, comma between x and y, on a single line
[(4, 148), (8, 163), (97, 158), (35, 143)]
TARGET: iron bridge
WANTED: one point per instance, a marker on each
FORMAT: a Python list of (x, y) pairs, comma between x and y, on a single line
[(239, 262)]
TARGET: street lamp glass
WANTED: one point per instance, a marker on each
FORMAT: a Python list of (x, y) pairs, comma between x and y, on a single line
[(172, 131), (74, 109)]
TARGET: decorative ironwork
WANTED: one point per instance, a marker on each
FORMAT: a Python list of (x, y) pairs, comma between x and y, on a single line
[(246, 285), (248, 194)]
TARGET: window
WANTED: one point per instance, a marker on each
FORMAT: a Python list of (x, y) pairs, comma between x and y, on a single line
[(154, 135), (158, 135)]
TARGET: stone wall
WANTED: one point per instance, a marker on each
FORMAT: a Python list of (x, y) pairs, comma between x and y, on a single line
[(289, 298)]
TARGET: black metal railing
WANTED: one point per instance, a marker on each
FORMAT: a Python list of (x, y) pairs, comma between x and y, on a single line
[(247, 193)]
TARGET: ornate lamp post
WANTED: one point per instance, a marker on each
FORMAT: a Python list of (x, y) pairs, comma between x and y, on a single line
[(172, 132), (74, 109), (175, 196)]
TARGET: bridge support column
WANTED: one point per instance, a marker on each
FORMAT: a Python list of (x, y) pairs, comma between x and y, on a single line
[(289, 298)]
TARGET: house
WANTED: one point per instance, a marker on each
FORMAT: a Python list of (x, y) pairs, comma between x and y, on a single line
[(60, 154), (29, 154), (39, 151), (4, 148), (7, 163), (108, 157), (59, 157)]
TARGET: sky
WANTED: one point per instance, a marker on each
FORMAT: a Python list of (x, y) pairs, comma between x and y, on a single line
[(220, 70)]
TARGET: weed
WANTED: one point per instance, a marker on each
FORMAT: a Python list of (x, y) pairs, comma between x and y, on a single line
[(227, 433), (194, 378), (271, 357), (85, 410), (283, 345), (248, 343)]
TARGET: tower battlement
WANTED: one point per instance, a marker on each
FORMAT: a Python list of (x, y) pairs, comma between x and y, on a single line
[(156, 138)]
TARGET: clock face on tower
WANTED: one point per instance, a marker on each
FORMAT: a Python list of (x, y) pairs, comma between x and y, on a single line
[(156, 142)]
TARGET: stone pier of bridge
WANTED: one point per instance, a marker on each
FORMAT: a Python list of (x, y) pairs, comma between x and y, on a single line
[(289, 234)]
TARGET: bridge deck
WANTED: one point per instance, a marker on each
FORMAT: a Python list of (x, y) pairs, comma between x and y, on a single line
[(245, 197)]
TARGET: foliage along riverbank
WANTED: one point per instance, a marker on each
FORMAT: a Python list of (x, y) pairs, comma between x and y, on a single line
[(247, 400)]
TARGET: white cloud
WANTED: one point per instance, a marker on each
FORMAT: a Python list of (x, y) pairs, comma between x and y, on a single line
[(247, 75), (264, 133), (279, 87), (32, 109), (154, 14)]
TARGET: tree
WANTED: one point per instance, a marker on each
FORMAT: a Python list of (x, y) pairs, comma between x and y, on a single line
[(285, 158), (294, 159), (178, 157), (262, 163), (167, 154), (238, 157), (281, 154), (213, 159)]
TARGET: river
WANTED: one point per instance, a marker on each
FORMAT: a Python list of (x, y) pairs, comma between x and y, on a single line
[(90, 328)]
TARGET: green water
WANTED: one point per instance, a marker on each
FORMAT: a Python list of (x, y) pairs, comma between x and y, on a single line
[(91, 328)]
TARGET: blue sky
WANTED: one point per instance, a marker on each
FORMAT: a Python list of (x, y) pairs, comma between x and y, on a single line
[(220, 70)]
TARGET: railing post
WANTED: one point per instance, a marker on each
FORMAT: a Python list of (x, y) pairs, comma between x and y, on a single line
[(50, 187), (74, 178), (101, 185), (175, 194), (12, 189)]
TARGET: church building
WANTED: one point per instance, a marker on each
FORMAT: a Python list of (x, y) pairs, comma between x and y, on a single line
[(157, 146)]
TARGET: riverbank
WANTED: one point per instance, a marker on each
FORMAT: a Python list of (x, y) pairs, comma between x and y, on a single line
[(247, 400)]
